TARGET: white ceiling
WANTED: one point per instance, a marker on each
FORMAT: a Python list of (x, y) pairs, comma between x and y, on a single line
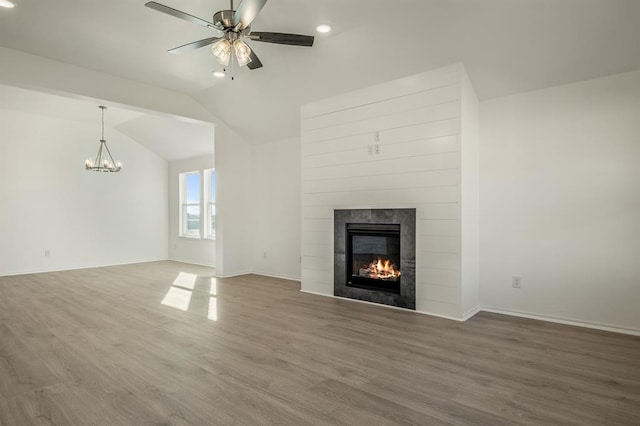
[(65, 108), (172, 138), (508, 46)]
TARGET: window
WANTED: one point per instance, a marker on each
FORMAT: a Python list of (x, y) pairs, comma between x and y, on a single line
[(190, 204), (210, 203), (198, 204)]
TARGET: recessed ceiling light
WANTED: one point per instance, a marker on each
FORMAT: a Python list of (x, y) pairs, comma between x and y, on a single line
[(324, 28), (6, 3), (219, 74)]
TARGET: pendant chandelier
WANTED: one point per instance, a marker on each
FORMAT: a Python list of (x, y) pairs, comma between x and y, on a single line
[(104, 161)]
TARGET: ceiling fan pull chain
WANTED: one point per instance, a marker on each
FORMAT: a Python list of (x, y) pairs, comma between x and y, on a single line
[(232, 70)]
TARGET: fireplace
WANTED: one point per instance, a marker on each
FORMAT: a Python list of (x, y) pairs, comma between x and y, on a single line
[(374, 255)]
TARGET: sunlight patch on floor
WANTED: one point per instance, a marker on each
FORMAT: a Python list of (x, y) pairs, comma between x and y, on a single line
[(186, 280), (178, 298), (212, 311), (179, 295), (213, 289), (181, 291)]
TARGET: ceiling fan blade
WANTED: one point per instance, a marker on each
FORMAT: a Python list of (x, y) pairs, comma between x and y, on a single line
[(181, 15), (282, 38), (194, 45), (255, 61), (247, 12)]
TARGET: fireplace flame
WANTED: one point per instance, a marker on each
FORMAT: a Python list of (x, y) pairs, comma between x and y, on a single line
[(381, 270)]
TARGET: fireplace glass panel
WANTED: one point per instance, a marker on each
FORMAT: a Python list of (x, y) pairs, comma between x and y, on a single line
[(373, 256)]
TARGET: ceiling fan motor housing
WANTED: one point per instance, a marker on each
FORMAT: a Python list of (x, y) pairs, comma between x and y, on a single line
[(224, 19)]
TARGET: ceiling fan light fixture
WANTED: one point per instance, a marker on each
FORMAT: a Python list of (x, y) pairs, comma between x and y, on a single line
[(243, 52), (222, 51)]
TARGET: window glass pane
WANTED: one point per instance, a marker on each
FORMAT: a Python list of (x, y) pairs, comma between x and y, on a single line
[(190, 204), (193, 220), (192, 191)]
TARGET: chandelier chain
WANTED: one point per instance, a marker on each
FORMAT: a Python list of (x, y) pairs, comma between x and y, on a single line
[(102, 108)]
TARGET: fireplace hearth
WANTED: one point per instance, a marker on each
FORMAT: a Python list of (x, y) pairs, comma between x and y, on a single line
[(374, 255)]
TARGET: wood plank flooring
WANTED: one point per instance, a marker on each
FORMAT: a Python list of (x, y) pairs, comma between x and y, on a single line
[(166, 343)]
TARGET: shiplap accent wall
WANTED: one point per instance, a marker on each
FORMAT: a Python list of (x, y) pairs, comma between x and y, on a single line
[(418, 123)]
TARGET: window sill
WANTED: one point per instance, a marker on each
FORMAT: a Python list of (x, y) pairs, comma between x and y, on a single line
[(190, 237), (195, 237)]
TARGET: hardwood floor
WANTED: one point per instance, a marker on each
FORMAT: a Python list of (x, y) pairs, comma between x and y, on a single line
[(114, 346)]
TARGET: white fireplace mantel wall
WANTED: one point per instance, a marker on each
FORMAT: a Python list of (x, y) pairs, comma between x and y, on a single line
[(408, 143)]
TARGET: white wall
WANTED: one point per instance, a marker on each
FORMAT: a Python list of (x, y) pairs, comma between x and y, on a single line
[(201, 251), (560, 202), (418, 119), (469, 199), (49, 202), (233, 204), (275, 189)]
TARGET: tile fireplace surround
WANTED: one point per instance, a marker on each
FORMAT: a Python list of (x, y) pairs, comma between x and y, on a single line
[(406, 218)]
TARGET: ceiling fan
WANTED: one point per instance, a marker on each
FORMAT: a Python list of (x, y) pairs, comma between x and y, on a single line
[(231, 28)]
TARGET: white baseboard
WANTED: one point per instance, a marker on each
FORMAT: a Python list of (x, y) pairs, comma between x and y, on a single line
[(561, 320), (447, 317), (234, 274), (282, 277), (316, 293), (473, 311), (192, 263), (262, 274), (77, 267)]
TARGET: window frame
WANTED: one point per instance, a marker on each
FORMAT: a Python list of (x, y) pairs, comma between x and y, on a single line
[(208, 204), (184, 206)]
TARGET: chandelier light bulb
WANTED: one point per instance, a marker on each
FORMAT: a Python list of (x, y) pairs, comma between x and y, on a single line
[(222, 51), (243, 52)]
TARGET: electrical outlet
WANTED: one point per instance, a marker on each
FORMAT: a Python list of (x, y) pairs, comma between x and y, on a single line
[(516, 282), (47, 253)]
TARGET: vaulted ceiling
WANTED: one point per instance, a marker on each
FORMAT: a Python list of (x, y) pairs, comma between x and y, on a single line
[(507, 46), (170, 137)]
